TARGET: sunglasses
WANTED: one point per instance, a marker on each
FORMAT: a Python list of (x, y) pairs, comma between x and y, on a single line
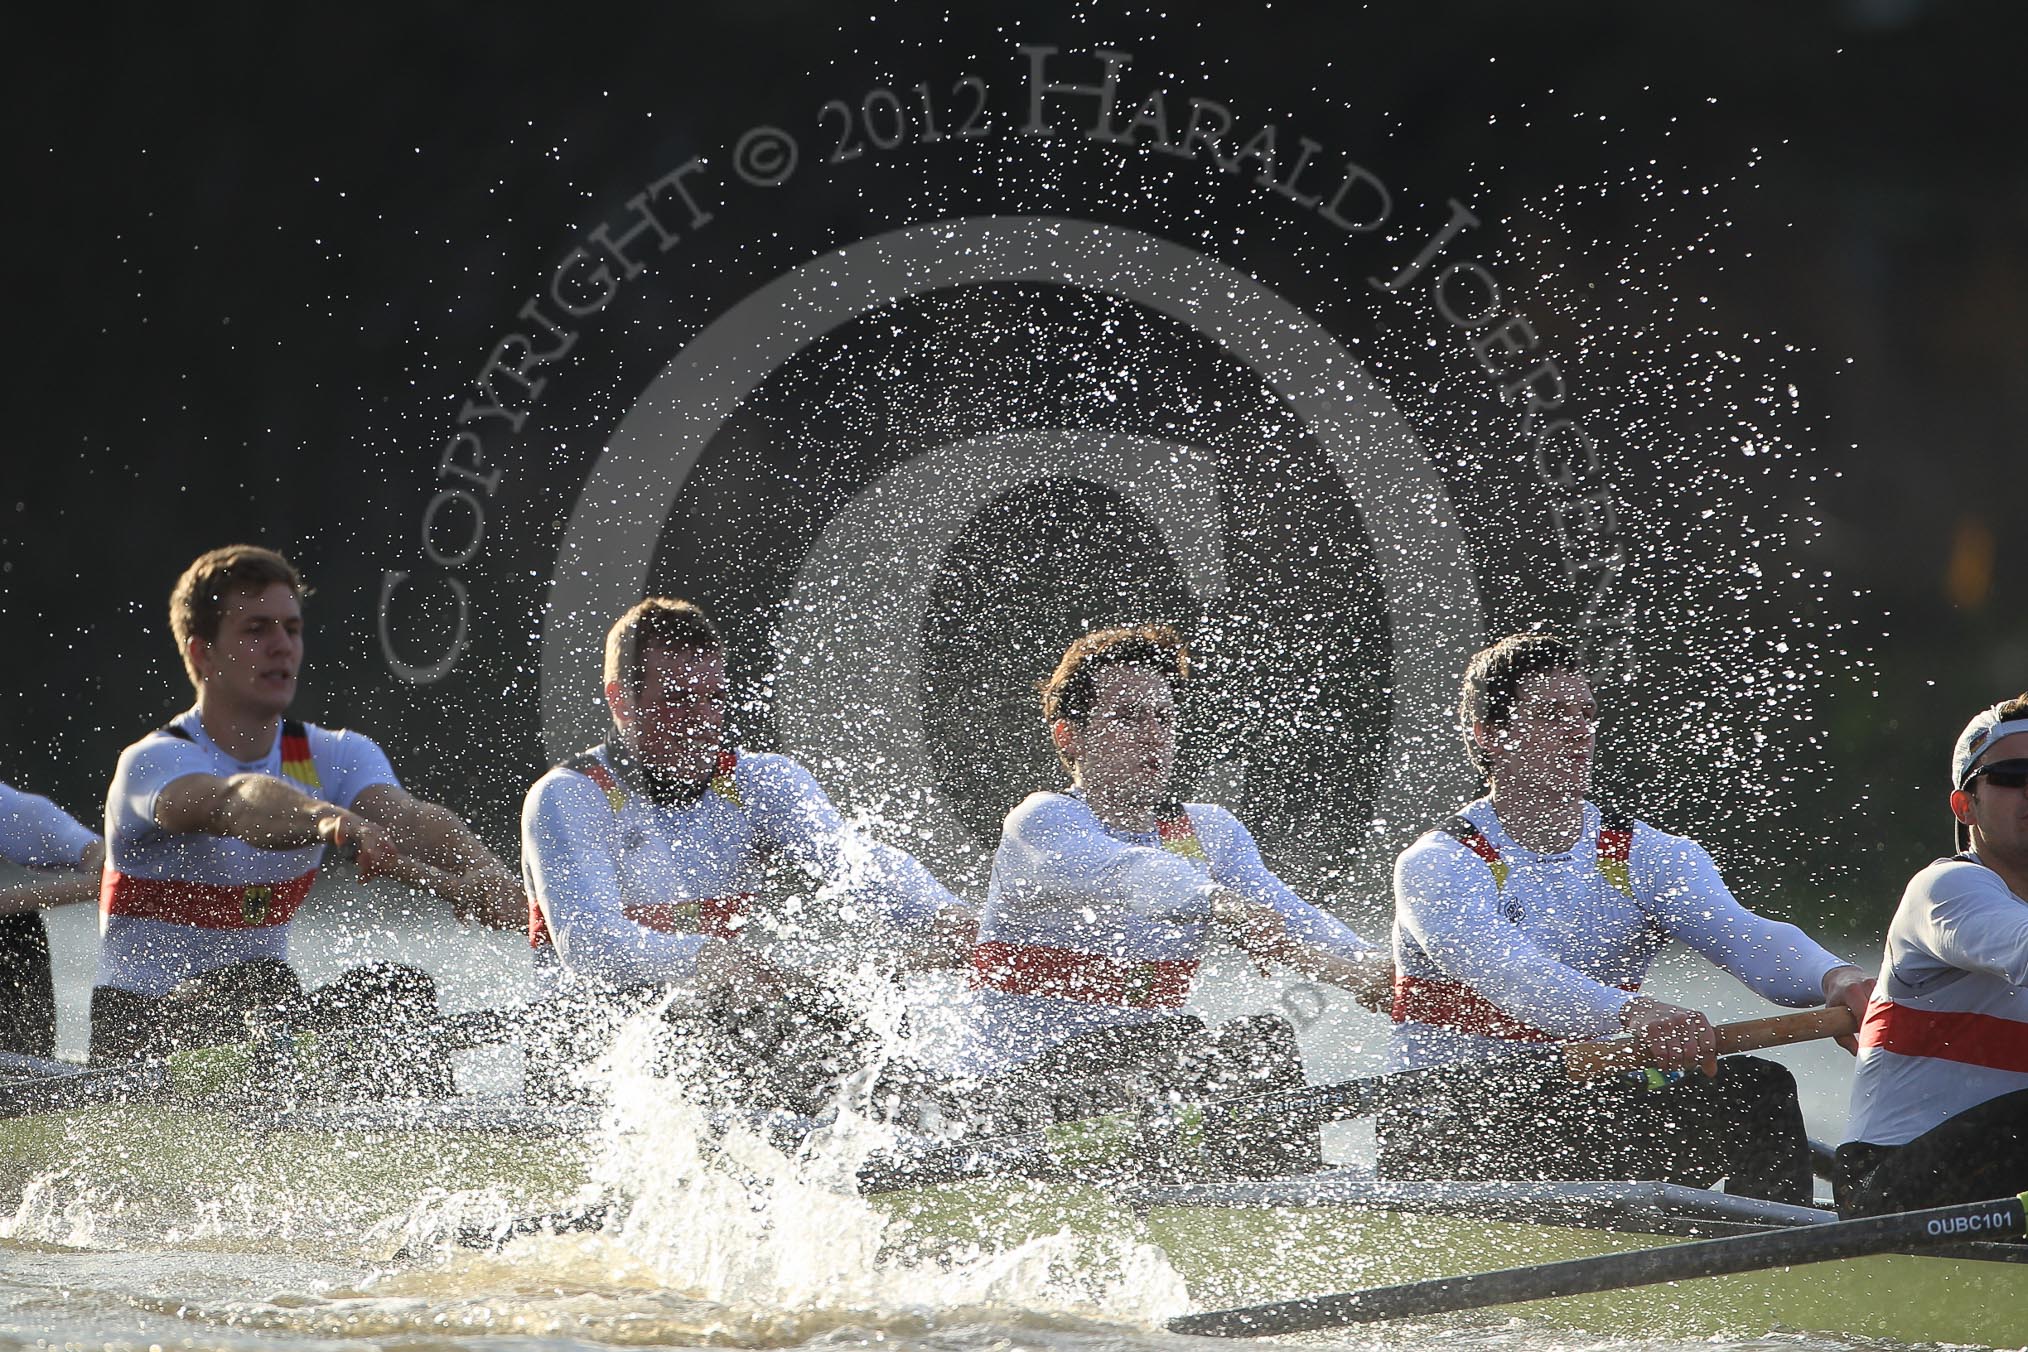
[(2006, 774)]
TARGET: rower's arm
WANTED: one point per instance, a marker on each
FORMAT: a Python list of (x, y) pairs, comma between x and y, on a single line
[(1446, 901), (270, 814), (1677, 879), (460, 867), (792, 808), (57, 886), (265, 812), (1260, 913), (37, 833), (567, 845), (1267, 934)]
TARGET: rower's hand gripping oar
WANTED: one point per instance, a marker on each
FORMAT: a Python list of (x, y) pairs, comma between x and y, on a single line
[(2001, 1218), (1098, 1147)]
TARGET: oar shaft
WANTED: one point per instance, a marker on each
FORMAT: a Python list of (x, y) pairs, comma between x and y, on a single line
[(1999, 1219), (1589, 1060), (81, 1089), (20, 1063), (1097, 1145)]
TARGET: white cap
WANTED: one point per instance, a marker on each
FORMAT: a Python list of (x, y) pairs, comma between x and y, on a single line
[(1985, 729)]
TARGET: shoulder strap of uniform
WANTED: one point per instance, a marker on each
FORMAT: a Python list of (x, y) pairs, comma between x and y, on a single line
[(171, 730), (723, 782), (296, 762), (1460, 829), (588, 764), (1615, 847), (1178, 834)]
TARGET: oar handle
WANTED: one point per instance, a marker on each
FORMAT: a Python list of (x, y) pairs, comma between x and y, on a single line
[(1805, 1025), (1588, 1060)]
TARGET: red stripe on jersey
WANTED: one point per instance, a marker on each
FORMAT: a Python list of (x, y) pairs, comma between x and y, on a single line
[(1943, 1035), (1454, 1005), (1092, 978), (718, 917), (205, 905)]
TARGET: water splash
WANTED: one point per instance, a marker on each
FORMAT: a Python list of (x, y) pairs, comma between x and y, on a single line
[(738, 1240)]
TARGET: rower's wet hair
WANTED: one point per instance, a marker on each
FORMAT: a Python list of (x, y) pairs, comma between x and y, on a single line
[(659, 623), (197, 603), (1494, 675), (1071, 689)]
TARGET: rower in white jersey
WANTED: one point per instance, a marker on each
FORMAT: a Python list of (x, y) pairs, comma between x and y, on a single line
[(1533, 915), (644, 859), (216, 824), (66, 856), (1103, 902), (1940, 1100)]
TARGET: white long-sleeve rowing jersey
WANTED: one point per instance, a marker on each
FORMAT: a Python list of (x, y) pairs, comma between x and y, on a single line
[(626, 889), (174, 906), (1947, 1028), (36, 832), (1088, 927), (1494, 942)]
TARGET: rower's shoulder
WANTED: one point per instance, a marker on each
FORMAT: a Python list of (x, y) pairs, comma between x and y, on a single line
[(1957, 878), (567, 792), (1215, 823), (169, 743), (1455, 834), (334, 741), (774, 771), (585, 768), (1047, 810), (1646, 838), (768, 763)]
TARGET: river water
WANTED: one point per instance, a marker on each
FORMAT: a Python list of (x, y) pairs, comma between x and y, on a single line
[(262, 1253)]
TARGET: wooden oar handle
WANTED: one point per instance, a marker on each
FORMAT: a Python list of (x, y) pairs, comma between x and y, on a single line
[(1805, 1025), (1587, 1060)]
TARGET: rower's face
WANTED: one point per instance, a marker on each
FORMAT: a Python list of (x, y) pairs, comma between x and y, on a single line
[(1126, 750), (676, 720), (258, 652), (1998, 812), (1549, 736)]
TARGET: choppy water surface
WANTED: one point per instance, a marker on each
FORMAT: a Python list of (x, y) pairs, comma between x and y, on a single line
[(201, 1237)]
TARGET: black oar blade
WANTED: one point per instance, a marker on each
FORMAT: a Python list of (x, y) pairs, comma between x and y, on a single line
[(1997, 1219)]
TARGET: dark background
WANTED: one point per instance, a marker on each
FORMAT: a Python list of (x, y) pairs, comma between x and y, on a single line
[(257, 254)]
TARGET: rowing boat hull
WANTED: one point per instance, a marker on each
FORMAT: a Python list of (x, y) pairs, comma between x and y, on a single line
[(1232, 1246)]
